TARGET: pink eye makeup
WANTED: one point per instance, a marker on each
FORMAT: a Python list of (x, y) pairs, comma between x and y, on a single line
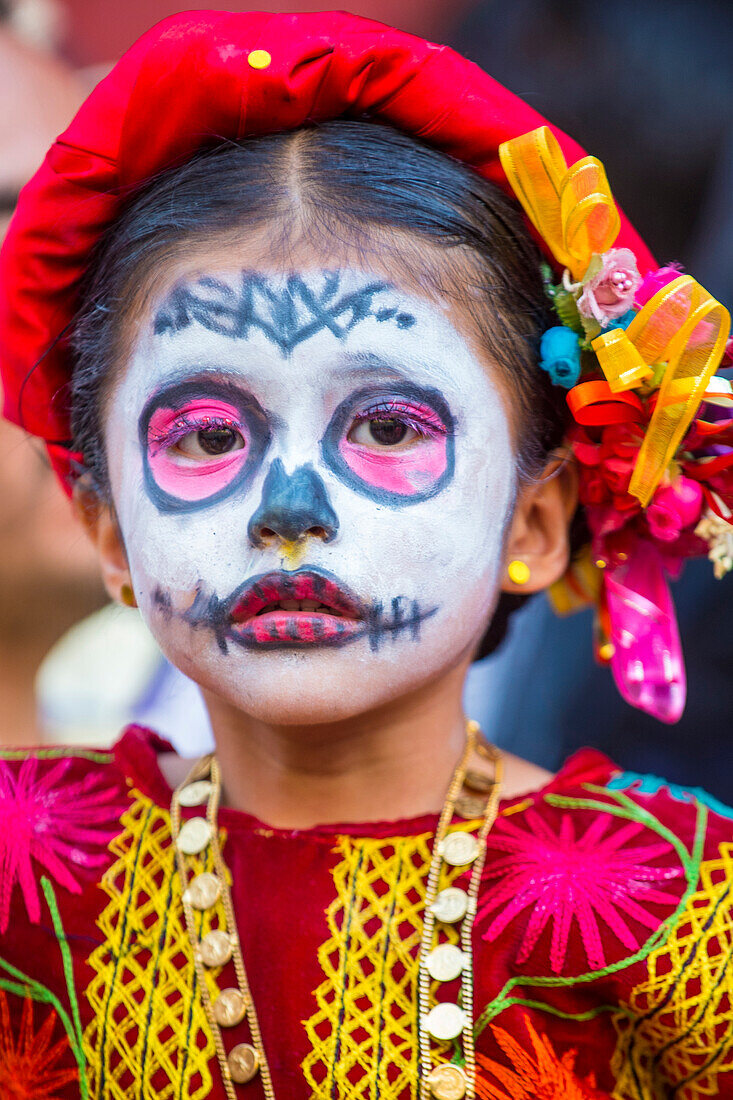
[(392, 446), (200, 442)]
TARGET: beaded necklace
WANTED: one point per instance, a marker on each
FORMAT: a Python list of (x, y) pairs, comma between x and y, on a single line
[(473, 794)]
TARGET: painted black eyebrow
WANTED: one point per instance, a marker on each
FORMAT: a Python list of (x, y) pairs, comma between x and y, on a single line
[(228, 379)]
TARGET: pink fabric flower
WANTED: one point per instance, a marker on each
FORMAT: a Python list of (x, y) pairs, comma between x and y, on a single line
[(654, 281), (48, 823), (673, 508), (603, 878), (610, 293)]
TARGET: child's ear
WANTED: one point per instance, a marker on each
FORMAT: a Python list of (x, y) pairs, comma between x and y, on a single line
[(99, 520), (537, 547)]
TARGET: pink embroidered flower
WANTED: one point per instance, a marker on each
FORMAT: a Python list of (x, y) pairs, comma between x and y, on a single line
[(574, 879), (50, 821), (610, 293), (673, 508), (654, 281)]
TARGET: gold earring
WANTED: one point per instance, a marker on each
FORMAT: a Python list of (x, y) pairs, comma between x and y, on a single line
[(518, 571), (127, 596)]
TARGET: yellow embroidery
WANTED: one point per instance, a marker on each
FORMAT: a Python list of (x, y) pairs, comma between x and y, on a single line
[(682, 1033), (149, 1035), (364, 1032)]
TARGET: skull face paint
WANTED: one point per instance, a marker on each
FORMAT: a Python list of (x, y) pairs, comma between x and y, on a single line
[(312, 473)]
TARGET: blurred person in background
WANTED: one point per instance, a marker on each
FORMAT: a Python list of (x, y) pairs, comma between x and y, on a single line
[(62, 646), (47, 582), (631, 76)]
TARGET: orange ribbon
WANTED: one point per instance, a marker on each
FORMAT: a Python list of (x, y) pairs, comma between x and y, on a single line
[(686, 328), (572, 208), (594, 404)]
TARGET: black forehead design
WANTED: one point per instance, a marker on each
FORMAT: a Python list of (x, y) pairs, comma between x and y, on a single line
[(287, 315)]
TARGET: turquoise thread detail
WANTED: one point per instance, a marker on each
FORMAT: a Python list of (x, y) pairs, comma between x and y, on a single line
[(653, 784)]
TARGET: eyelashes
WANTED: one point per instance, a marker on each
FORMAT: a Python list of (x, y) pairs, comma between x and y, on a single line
[(184, 425), (199, 446), (200, 441), (419, 418)]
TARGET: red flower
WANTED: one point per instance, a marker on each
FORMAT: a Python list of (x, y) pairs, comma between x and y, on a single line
[(535, 1075), (27, 1065), (46, 819)]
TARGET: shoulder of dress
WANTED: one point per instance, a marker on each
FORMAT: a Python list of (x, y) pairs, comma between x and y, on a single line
[(26, 774), (652, 789), (59, 810)]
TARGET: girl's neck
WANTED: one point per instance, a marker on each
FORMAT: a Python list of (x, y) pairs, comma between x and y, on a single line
[(390, 763)]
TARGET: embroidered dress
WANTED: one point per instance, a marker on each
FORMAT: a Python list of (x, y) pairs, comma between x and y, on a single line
[(603, 941)]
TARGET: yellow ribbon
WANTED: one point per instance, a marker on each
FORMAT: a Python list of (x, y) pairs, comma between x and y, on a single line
[(572, 208), (686, 328)]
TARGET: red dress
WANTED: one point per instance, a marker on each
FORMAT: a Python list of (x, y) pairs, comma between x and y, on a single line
[(602, 944)]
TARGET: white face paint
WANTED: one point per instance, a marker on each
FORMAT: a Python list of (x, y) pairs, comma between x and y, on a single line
[(335, 435)]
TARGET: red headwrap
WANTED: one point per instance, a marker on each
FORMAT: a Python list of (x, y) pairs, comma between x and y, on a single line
[(191, 81)]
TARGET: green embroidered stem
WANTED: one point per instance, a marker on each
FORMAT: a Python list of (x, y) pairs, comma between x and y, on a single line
[(691, 864), (542, 1006), (631, 813), (52, 754), (43, 995), (77, 1045)]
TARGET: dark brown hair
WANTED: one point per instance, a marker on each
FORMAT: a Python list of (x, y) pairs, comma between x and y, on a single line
[(344, 183)]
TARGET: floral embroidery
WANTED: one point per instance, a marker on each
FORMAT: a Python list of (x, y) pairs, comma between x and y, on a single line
[(562, 877), (539, 1075), (27, 1065), (678, 1037), (45, 818)]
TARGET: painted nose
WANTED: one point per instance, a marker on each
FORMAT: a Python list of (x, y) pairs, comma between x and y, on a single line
[(292, 507)]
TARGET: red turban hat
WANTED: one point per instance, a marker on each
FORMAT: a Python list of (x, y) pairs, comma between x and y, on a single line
[(193, 80)]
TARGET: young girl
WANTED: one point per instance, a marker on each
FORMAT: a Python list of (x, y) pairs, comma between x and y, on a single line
[(315, 392)]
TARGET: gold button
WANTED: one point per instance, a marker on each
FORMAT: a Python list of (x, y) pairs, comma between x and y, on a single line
[(478, 781), (450, 905), (243, 1063), (195, 793), (459, 849), (202, 891), (215, 948), (259, 59), (194, 835), (445, 962), (230, 1008), (448, 1083), (445, 1021), (470, 806)]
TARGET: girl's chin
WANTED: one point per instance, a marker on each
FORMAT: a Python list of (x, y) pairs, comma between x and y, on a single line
[(299, 692)]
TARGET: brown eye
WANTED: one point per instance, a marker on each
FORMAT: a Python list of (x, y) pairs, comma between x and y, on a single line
[(210, 442), (382, 432)]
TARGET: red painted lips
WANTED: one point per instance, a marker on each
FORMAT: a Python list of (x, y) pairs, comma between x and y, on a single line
[(295, 609)]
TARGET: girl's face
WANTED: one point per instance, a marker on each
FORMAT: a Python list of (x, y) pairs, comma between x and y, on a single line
[(312, 472)]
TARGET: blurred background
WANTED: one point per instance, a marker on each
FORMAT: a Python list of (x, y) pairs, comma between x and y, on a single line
[(646, 85)]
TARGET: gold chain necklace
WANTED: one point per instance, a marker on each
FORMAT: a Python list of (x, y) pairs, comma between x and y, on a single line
[(439, 960)]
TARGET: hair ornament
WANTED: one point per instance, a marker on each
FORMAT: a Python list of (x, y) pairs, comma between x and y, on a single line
[(652, 438)]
